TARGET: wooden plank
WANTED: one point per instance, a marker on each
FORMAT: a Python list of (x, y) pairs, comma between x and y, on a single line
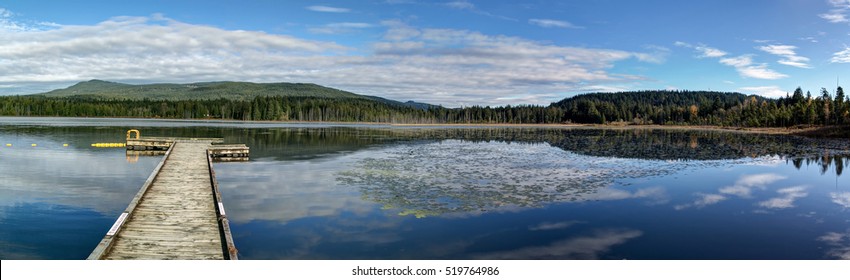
[(176, 219), (106, 242), (179, 213)]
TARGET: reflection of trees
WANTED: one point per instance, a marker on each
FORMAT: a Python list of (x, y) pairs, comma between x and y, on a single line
[(694, 144), (285, 143), (421, 181), (305, 143), (825, 162), (659, 144)]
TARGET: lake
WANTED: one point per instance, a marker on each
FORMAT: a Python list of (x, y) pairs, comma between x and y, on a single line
[(340, 191)]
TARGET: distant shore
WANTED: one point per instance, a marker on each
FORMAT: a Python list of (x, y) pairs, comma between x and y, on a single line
[(809, 131), (830, 131)]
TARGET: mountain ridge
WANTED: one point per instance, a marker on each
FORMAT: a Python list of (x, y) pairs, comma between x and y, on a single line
[(231, 90)]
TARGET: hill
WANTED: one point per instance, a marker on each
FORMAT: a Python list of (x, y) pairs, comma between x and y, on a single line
[(309, 102), (238, 91), (655, 106)]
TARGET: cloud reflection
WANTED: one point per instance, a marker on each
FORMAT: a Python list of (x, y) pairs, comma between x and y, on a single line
[(554, 225), (703, 201), (789, 195), (98, 180), (584, 247), (745, 185), (841, 198), (286, 191), (657, 195), (839, 243)]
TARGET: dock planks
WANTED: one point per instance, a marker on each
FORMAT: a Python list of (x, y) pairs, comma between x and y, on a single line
[(175, 217)]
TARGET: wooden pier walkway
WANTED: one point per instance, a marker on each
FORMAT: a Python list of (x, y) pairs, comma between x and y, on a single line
[(177, 214)]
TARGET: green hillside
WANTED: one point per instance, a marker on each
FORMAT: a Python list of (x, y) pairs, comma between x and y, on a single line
[(239, 91), (309, 102)]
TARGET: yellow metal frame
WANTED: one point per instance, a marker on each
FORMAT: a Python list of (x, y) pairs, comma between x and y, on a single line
[(130, 132)]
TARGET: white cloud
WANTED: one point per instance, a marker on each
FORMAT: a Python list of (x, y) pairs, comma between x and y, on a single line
[(122, 48), (766, 91), (834, 16), (809, 39), (467, 6), (553, 23), (340, 27), (710, 52), (841, 57), (705, 51), (789, 195), (441, 66), (787, 51), (9, 24), (460, 5), (744, 186), (745, 66), (327, 9), (841, 198), (838, 13), (840, 3)]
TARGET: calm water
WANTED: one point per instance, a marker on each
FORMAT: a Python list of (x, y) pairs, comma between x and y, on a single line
[(377, 192)]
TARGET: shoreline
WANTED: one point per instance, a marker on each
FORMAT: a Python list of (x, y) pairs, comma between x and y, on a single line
[(810, 131), (762, 130)]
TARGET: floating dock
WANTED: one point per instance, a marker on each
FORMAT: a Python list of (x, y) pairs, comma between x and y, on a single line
[(178, 212)]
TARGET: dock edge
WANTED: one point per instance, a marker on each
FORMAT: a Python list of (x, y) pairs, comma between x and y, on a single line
[(228, 247), (106, 243)]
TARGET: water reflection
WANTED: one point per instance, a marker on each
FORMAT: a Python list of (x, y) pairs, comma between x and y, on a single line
[(451, 176), (297, 142), (786, 198), (826, 162), (745, 185), (841, 198), (69, 177), (320, 192), (285, 191), (589, 247), (839, 244)]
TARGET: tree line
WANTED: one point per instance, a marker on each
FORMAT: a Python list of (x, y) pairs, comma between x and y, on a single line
[(636, 107), (708, 108)]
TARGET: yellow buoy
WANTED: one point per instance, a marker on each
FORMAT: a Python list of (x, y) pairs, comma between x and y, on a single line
[(108, 145), (64, 145), (8, 145), (34, 145)]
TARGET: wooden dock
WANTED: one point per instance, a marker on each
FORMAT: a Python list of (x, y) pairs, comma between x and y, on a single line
[(178, 213)]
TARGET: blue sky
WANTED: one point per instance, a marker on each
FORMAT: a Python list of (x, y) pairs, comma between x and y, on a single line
[(454, 53)]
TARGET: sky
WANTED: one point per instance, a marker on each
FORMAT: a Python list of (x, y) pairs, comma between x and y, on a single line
[(451, 52)]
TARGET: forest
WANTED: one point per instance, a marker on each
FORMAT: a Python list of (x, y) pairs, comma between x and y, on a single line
[(664, 107)]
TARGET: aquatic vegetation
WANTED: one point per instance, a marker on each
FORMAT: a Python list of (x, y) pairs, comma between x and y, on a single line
[(455, 176)]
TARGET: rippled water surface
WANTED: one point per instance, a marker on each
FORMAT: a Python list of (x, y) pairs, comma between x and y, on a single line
[(315, 191)]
